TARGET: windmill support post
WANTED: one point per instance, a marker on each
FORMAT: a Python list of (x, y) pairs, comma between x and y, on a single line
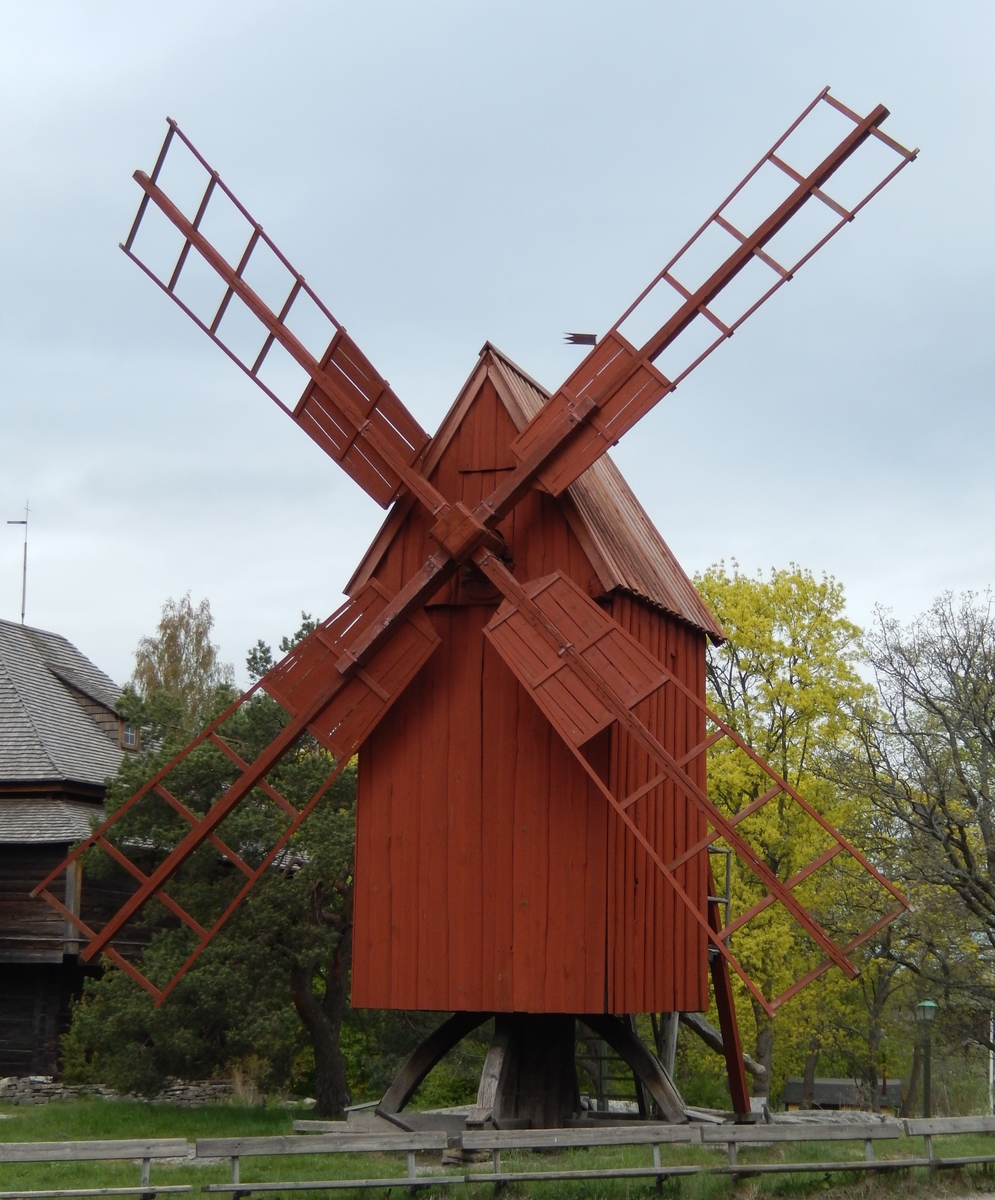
[(725, 1004), (529, 1077)]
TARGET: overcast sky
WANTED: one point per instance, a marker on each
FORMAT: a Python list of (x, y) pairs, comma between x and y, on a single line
[(446, 173)]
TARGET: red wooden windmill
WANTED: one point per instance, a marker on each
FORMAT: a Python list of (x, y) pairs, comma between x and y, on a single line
[(520, 664)]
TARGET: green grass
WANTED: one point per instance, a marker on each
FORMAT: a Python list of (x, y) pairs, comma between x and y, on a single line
[(93, 1119)]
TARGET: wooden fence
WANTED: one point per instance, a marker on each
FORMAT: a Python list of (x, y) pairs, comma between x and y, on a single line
[(903, 1137)]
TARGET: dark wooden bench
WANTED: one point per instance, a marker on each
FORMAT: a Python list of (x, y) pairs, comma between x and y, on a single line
[(734, 1136), (410, 1144), (496, 1140), (136, 1149), (929, 1127)]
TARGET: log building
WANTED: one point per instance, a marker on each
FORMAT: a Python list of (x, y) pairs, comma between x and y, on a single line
[(60, 738)]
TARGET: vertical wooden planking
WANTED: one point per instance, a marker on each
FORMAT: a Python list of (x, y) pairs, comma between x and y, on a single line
[(529, 549), (633, 964), (409, 965), (684, 925), (693, 872), (487, 862), (501, 695), (402, 860), (370, 971), (656, 953), (531, 880), (565, 870), (492, 821), (613, 876), (434, 735), (651, 823), (696, 824), (697, 656), (654, 826), (674, 915), (463, 791), (661, 983), (596, 880)]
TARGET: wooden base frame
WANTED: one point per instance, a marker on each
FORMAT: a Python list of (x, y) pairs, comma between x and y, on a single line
[(529, 1078)]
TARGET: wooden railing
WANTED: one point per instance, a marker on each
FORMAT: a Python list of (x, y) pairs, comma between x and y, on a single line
[(465, 1148), (136, 1149), (330, 1138)]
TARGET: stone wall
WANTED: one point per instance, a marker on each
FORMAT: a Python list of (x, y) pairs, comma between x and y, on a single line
[(41, 1089)]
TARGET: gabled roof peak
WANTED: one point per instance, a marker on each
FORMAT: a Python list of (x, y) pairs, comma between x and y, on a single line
[(624, 546)]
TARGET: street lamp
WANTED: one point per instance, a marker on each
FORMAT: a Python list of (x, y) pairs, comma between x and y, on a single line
[(927, 1011)]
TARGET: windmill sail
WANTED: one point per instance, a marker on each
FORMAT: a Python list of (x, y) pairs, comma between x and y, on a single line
[(682, 304), (339, 710), (585, 672), (346, 406)]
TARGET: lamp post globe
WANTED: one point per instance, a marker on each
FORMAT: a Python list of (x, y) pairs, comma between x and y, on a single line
[(926, 1010)]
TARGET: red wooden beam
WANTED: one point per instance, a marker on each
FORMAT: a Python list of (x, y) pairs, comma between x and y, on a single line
[(725, 1004)]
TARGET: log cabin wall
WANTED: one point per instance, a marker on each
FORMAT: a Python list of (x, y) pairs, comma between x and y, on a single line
[(31, 932), (488, 874), (40, 970), (35, 1010)]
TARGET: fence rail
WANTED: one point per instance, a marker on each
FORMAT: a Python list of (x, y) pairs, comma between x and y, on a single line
[(464, 1151)]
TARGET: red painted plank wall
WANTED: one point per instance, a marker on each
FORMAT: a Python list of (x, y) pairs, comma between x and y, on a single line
[(488, 873), (481, 847), (657, 951)]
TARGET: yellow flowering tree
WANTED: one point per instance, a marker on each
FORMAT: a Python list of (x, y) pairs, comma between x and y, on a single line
[(787, 680)]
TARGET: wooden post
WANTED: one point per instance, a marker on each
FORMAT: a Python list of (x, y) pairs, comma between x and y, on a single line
[(726, 1005), (235, 1177), (668, 1040), (869, 1155), (640, 1091)]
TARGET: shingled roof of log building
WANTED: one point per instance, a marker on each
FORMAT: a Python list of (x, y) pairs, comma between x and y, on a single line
[(60, 736)]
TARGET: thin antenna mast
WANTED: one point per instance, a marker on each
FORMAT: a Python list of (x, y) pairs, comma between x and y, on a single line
[(24, 566)]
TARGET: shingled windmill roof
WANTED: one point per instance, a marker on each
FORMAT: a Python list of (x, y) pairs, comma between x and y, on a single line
[(624, 546), (47, 734)]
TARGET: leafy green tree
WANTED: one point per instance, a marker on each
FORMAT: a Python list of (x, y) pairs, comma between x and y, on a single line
[(282, 962), (787, 680), (924, 765), (932, 752), (902, 770)]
